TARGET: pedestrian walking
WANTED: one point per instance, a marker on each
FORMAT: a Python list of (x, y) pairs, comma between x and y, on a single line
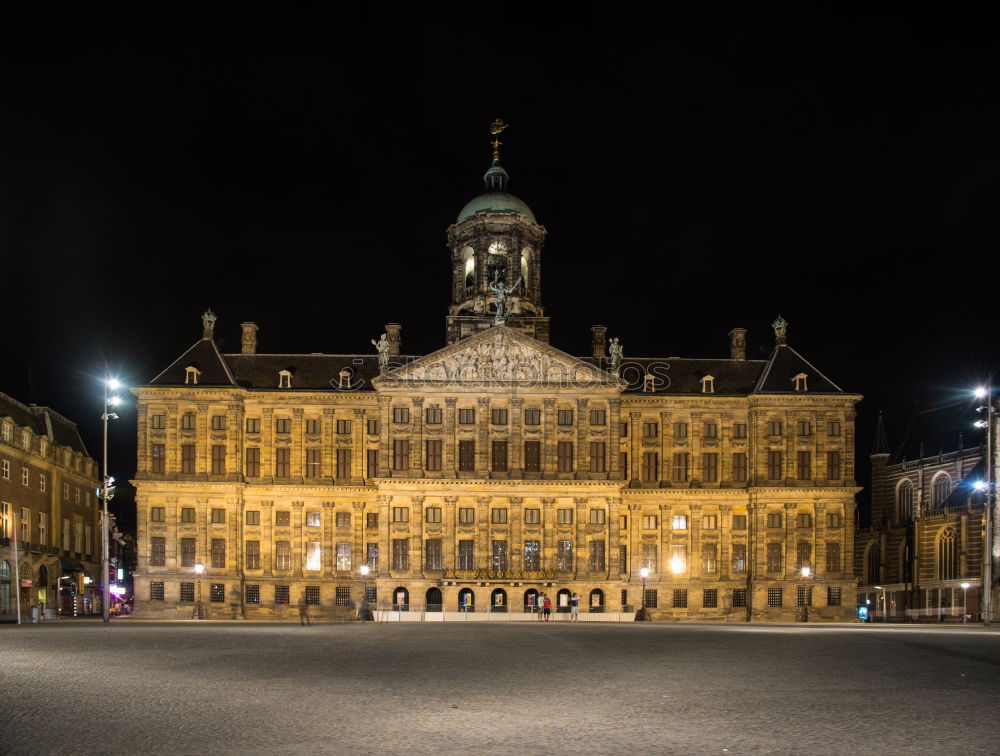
[(548, 607), (539, 601), (574, 607)]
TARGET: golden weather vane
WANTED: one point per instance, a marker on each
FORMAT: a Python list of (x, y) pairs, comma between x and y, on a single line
[(495, 128)]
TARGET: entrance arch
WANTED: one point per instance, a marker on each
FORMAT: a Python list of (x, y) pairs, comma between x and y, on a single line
[(498, 600), (596, 602), (530, 600), (401, 600), (562, 600), (466, 600), (434, 602)]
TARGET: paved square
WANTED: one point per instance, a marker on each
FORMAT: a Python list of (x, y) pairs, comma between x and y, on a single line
[(193, 687)]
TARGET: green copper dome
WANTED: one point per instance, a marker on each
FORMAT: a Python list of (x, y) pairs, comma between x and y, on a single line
[(496, 202)]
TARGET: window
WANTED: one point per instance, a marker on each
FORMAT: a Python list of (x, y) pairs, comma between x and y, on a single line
[(253, 425), (371, 556), (253, 594), (532, 555), (500, 456), (709, 558), (432, 554), (373, 427), (532, 417), (833, 557), (623, 559), (282, 518), (156, 591), (188, 421), (739, 522), (281, 594), (218, 515), (312, 463), (498, 516), (565, 456), (564, 556), (739, 430), (26, 530), (157, 514), (187, 552), (467, 417), (803, 428), (680, 467), (680, 598), (532, 456), (597, 463), (623, 429), (803, 596), (253, 516), (314, 426), (678, 558), (680, 430), (739, 557), (774, 557), (343, 463), (43, 534), (433, 416), (710, 522), (598, 516), (371, 520), (343, 519), (774, 428), (282, 555), (217, 592), (253, 555), (157, 551), (680, 522), (466, 456), (532, 516), (158, 422), (650, 466), (401, 553), (649, 556), (803, 555), (218, 422), (343, 427), (466, 555), (5, 469), (400, 514), (432, 514), (774, 597), (312, 595), (401, 455), (313, 519), (804, 520), (649, 598), (948, 555), (597, 556), (832, 596), (498, 417), (218, 459), (650, 430), (432, 458), (187, 458), (833, 465), (158, 455), (833, 428), (804, 465), (283, 425), (466, 515), (710, 598), (598, 417), (650, 522), (343, 557), (564, 516), (774, 465), (253, 462), (499, 555), (564, 417), (774, 520), (400, 414), (41, 481), (710, 467), (372, 463), (282, 463), (739, 467), (739, 597), (218, 552)]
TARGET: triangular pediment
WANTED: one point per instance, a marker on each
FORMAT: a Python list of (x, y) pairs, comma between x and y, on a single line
[(500, 355)]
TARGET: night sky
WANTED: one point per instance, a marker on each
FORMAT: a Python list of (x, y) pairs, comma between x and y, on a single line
[(695, 173)]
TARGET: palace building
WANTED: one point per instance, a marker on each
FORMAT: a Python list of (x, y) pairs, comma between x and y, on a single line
[(496, 468)]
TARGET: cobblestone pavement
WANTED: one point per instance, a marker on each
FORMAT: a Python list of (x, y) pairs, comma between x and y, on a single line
[(189, 687)]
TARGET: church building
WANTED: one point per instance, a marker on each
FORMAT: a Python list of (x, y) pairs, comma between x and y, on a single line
[(495, 469)]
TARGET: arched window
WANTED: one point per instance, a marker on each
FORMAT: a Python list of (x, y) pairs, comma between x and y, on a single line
[(434, 602), (948, 555), (526, 266), (596, 600), (470, 267), (498, 600), (562, 600), (466, 600), (941, 488), (904, 502), (530, 600), (401, 600), (873, 563)]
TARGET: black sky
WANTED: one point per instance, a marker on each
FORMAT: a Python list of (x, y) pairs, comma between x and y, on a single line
[(695, 173)]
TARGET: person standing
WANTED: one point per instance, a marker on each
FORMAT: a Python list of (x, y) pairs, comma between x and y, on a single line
[(539, 603), (548, 607), (574, 607)]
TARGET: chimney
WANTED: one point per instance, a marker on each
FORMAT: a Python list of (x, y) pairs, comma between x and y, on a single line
[(249, 338), (738, 344), (598, 341), (392, 335)]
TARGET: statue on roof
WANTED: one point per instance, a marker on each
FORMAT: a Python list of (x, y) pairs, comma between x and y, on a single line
[(208, 324), (382, 347), (780, 327), (615, 353), (502, 293)]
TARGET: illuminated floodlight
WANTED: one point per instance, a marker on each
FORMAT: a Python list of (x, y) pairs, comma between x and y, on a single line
[(980, 392), (199, 567), (644, 572), (965, 586), (676, 565), (364, 569), (806, 571), (114, 384), (114, 401), (979, 486)]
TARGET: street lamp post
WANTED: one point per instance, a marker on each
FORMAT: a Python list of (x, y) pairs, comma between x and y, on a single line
[(965, 605), (989, 547), (364, 569), (199, 569), (644, 573), (107, 492)]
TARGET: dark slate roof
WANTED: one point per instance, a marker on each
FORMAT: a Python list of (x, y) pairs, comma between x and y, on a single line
[(205, 356), (677, 375), (784, 364), (881, 445), (309, 371), (43, 421)]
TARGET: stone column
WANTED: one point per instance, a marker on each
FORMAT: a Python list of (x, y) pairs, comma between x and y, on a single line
[(329, 541), (695, 567), (636, 451), (385, 423), (614, 535), (234, 438), (581, 560), (449, 535), (548, 438), (358, 448), (546, 552), (267, 539), (298, 540), (725, 539), (666, 526), (203, 445), (582, 427), (791, 542), (267, 445), (516, 444), (664, 471), (417, 535), (516, 520), (819, 540), (296, 461), (634, 539), (417, 439), (483, 546), (358, 529), (614, 440), (451, 439), (483, 436), (384, 539)]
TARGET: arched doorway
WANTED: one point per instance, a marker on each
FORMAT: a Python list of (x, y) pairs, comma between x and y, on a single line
[(401, 600), (498, 600), (530, 600), (562, 600), (6, 607), (466, 600), (434, 600), (43, 587), (596, 602)]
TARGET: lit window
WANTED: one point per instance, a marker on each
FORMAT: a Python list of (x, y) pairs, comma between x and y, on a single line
[(314, 559), (680, 522)]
